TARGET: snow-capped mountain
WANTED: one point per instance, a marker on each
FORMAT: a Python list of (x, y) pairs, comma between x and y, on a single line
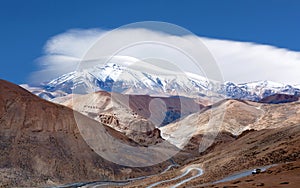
[(115, 78), (118, 76), (255, 91)]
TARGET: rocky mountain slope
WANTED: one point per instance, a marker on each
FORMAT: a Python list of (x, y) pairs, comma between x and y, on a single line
[(138, 116), (42, 144), (235, 117), (230, 155), (250, 135)]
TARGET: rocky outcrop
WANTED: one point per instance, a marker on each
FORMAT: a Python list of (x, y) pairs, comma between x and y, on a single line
[(140, 130)]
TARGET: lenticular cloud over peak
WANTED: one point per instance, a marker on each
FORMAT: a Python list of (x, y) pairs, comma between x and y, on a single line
[(239, 62)]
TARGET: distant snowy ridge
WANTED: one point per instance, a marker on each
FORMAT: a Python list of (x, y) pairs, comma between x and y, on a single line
[(255, 91), (121, 78)]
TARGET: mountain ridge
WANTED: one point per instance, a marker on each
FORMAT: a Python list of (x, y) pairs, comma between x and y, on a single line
[(116, 78)]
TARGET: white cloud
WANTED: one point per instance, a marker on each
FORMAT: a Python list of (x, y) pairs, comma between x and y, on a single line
[(73, 42), (245, 62), (238, 61), (63, 53)]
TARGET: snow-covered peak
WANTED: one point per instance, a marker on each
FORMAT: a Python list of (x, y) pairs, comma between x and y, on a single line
[(128, 80), (131, 76)]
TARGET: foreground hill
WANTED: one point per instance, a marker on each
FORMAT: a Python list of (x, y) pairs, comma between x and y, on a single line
[(41, 144)]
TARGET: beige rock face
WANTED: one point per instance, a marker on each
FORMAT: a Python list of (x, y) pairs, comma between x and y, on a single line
[(40, 144), (234, 117)]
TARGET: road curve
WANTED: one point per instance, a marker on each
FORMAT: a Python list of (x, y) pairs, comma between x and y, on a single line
[(241, 174), (236, 176), (114, 183), (189, 169), (122, 183)]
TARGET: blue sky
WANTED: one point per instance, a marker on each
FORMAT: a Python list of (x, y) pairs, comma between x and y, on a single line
[(27, 25)]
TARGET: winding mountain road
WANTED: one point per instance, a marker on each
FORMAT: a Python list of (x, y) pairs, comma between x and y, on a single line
[(236, 176), (188, 170), (114, 183)]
